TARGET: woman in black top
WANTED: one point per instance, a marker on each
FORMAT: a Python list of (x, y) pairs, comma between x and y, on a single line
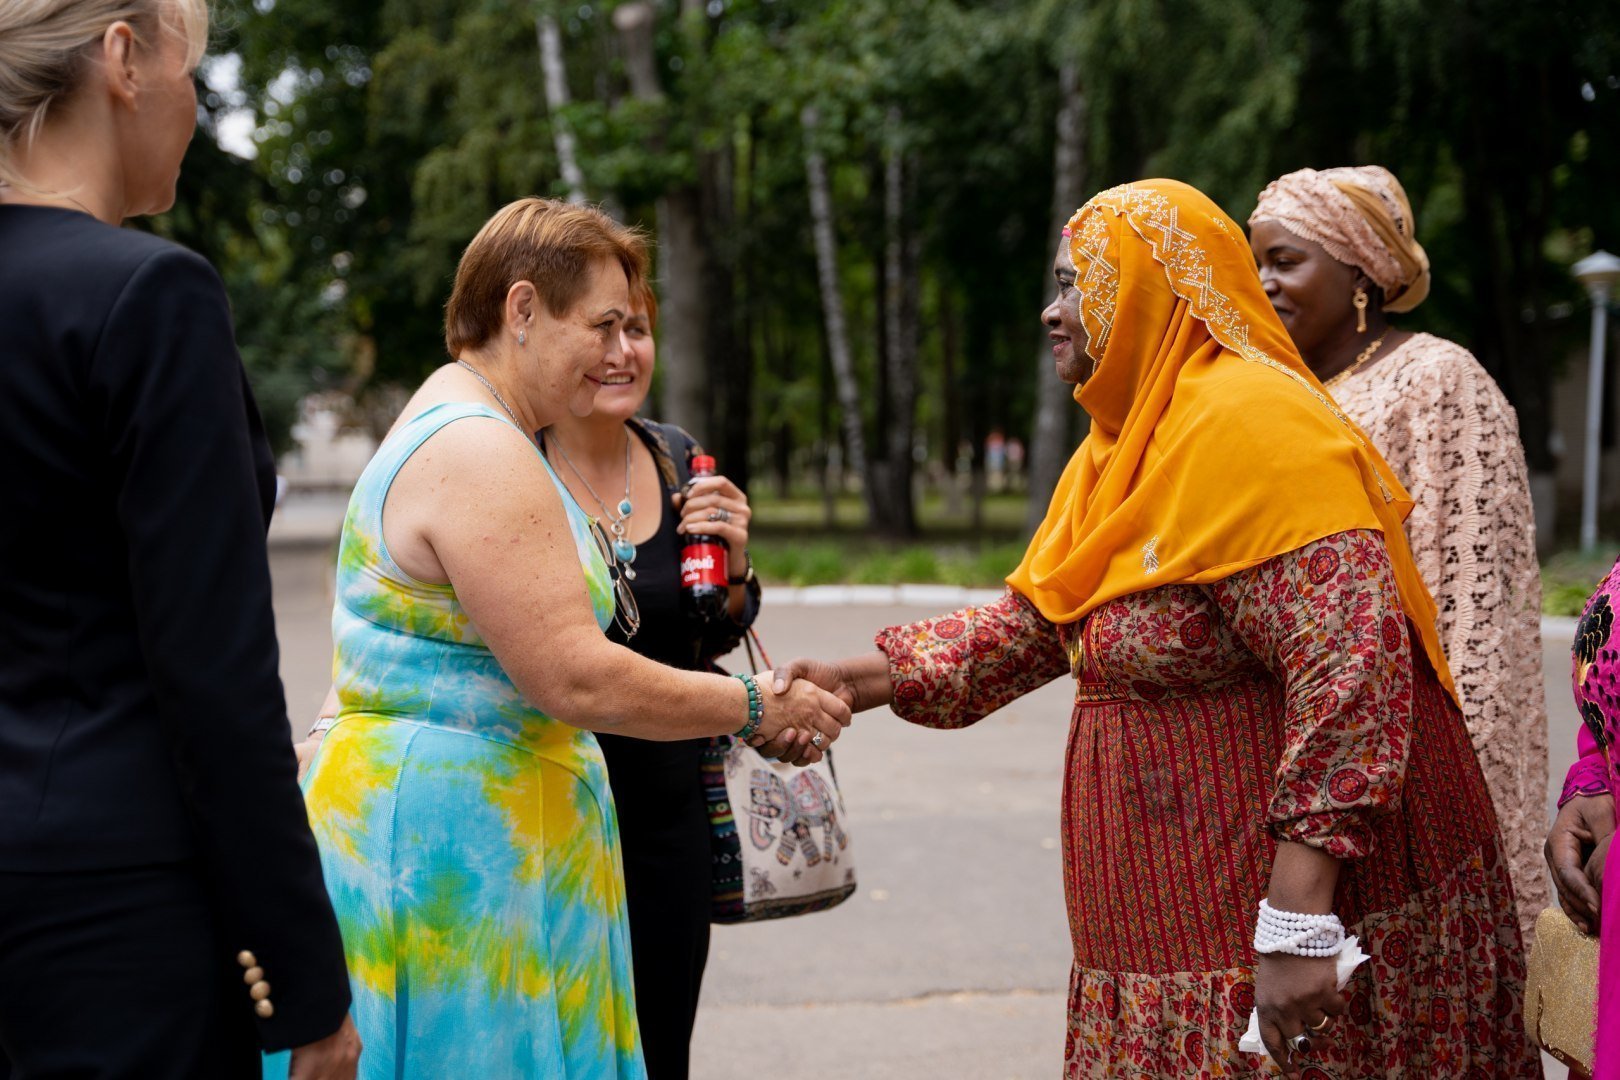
[(161, 906), (605, 458)]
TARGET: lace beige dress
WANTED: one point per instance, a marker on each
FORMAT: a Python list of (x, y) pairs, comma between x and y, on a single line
[(1449, 433)]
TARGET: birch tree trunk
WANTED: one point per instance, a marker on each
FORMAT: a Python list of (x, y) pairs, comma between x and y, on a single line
[(832, 302), (634, 22), (736, 301), (950, 350), (1055, 410), (683, 314), (896, 506), (683, 254), (832, 454), (555, 77)]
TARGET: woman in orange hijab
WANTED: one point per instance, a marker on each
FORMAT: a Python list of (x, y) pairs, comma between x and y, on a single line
[(1267, 772)]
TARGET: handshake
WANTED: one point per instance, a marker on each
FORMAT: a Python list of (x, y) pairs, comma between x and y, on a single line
[(807, 705), (812, 701)]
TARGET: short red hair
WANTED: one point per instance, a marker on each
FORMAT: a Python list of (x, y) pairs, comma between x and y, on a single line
[(548, 243)]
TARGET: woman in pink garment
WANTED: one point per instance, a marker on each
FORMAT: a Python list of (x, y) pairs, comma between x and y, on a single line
[(1578, 846)]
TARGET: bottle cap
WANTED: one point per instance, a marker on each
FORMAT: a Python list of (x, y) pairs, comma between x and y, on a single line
[(702, 464)]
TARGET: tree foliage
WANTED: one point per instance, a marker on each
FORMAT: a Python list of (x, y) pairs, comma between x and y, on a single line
[(1500, 118), (388, 131)]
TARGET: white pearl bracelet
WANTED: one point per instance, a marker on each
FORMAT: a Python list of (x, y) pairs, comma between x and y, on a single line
[(1297, 934)]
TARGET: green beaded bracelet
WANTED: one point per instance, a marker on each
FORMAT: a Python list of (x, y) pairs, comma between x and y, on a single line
[(756, 707)]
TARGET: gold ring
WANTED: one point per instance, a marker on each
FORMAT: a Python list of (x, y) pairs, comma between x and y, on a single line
[(1320, 1024)]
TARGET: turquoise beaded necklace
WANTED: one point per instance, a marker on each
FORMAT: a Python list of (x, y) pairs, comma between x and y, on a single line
[(618, 524)]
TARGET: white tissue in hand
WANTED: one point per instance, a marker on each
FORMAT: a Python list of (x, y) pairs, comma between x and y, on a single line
[(1345, 961)]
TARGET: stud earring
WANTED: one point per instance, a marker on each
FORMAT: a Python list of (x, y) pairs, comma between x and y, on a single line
[(523, 339), (1360, 301)]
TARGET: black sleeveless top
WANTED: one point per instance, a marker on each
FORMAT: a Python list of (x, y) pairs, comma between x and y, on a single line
[(658, 787), (639, 766)]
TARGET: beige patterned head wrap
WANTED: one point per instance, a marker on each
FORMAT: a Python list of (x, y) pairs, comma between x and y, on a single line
[(1362, 217)]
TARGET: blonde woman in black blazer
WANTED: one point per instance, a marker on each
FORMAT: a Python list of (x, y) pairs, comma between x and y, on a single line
[(162, 913)]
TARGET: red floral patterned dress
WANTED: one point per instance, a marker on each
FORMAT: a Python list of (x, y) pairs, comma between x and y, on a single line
[(1210, 722)]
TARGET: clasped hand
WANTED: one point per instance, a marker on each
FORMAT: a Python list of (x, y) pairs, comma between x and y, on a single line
[(1295, 994), (1576, 849)]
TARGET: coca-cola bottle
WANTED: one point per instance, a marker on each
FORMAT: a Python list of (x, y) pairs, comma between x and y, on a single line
[(704, 592)]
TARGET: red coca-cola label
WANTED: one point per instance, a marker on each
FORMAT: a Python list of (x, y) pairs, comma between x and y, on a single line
[(703, 564)]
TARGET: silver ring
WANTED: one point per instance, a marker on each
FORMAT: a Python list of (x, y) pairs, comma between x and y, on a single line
[(1299, 1044), (817, 740), (720, 514)]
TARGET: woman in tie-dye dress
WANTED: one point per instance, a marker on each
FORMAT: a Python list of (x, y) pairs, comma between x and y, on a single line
[(467, 833)]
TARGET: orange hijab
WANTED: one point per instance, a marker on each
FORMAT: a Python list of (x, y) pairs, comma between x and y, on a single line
[(1212, 448)]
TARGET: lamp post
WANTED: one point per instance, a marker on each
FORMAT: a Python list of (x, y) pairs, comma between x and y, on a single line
[(1598, 272)]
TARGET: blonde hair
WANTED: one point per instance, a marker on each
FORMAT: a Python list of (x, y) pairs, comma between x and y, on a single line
[(547, 243), (44, 47), (646, 300)]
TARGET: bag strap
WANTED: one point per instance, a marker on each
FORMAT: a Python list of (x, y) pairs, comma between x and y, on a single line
[(751, 642), (682, 459), (672, 449)]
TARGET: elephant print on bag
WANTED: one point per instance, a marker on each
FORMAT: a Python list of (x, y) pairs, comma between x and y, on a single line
[(787, 814)]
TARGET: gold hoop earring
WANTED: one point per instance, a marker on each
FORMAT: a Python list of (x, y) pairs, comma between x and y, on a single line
[(1360, 301)]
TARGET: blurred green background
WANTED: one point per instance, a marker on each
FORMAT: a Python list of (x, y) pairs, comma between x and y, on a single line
[(906, 164)]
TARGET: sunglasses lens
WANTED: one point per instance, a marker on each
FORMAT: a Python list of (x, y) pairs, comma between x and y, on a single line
[(626, 612)]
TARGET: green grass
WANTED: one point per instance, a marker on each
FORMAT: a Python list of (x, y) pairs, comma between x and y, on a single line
[(1569, 577), (1003, 515), (793, 543), (863, 561)]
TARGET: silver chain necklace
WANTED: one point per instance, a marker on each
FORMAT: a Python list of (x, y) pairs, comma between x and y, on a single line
[(623, 549), (618, 524), (491, 388)]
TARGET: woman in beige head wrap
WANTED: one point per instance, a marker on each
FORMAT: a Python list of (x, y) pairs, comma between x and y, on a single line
[(1337, 254)]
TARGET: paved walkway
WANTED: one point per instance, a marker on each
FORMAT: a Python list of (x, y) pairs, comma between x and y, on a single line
[(951, 960)]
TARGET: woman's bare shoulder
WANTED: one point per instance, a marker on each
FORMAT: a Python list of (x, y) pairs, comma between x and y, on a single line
[(436, 389), (473, 478)]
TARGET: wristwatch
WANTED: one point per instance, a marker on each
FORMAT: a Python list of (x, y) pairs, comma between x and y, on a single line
[(748, 571)]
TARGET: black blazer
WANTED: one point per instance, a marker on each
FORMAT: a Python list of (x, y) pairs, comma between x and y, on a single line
[(142, 718)]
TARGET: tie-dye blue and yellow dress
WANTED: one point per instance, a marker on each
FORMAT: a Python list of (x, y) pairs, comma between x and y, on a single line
[(469, 841)]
